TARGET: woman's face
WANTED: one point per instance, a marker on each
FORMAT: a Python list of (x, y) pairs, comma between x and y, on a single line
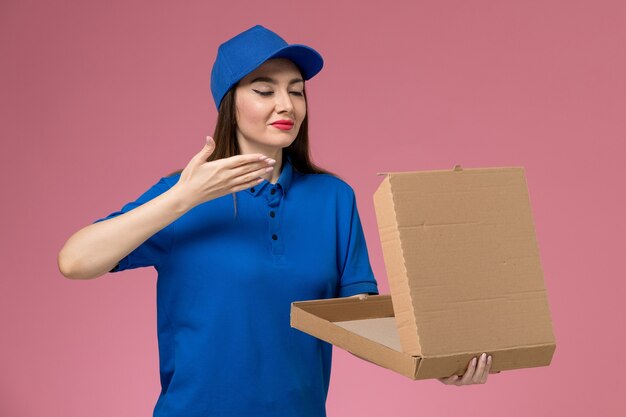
[(277, 95)]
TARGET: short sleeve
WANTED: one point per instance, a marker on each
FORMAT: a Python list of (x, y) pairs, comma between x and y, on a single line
[(355, 271), (152, 251)]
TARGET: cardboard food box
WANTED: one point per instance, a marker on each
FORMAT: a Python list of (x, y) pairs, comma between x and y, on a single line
[(464, 274)]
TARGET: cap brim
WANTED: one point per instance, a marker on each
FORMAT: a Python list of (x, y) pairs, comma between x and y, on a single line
[(306, 58)]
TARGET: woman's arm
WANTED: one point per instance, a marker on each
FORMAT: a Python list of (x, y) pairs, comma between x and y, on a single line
[(95, 249)]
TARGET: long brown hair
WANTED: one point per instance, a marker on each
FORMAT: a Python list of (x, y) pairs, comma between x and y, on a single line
[(226, 145)]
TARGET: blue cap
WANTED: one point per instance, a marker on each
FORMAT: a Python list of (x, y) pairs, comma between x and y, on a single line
[(242, 54)]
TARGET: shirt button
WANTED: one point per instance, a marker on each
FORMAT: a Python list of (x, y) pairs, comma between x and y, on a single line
[(272, 214), (252, 189), (274, 237), (273, 191)]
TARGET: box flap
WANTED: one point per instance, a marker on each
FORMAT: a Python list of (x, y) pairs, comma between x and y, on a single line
[(462, 260), (367, 329)]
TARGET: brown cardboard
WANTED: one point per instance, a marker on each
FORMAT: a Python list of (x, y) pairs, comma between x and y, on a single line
[(464, 274)]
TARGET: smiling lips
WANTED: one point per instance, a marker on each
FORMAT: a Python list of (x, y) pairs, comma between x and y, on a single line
[(283, 124)]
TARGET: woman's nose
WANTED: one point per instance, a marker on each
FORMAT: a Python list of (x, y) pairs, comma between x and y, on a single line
[(283, 101)]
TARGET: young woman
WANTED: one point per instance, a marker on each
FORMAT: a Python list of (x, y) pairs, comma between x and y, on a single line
[(247, 227)]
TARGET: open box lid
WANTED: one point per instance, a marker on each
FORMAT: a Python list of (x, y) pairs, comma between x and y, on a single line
[(462, 260)]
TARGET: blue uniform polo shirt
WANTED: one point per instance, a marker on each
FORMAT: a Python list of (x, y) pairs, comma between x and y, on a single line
[(226, 281)]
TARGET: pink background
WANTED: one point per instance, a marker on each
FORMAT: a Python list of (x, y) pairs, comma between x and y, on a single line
[(100, 100)]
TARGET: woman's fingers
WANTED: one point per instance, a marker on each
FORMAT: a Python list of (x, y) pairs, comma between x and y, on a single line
[(243, 159), (246, 185), (252, 175), (451, 380), (469, 373), (253, 168), (478, 374), (487, 369), (361, 296)]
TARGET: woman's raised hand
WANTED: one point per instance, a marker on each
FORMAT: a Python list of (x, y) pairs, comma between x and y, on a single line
[(202, 181)]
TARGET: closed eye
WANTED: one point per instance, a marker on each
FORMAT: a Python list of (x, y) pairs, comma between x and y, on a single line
[(269, 93)]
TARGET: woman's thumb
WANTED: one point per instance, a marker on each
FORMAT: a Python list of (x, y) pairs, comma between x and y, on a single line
[(207, 150), (210, 145)]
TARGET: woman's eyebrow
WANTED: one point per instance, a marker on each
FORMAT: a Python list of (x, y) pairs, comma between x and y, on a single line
[(273, 81)]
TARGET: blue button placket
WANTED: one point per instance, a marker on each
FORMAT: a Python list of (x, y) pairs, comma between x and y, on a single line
[(274, 197)]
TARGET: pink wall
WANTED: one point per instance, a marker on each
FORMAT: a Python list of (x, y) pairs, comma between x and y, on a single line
[(98, 102)]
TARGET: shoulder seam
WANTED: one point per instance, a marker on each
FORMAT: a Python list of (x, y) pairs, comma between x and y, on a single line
[(337, 179)]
